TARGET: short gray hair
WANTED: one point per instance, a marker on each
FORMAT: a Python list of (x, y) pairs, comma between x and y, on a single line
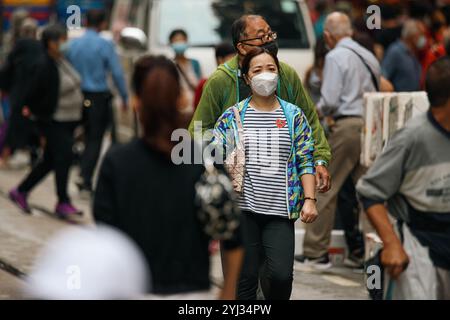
[(410, 28), (338, 24)]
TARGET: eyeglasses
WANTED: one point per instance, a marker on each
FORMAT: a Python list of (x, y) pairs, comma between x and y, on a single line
[(271, 36)]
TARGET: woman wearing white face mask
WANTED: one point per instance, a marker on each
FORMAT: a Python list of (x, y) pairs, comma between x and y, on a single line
[(279, 182)]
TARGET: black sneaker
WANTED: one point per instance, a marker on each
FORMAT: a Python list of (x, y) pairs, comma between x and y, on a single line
[(321, 263)]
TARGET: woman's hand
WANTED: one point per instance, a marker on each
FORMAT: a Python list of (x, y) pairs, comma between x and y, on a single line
[(309, 211)]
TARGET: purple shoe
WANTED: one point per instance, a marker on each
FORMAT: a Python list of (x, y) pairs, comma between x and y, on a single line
[(65, 209), (20, 199)]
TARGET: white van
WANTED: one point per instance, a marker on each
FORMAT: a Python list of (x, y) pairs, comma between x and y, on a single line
[(208, 22)]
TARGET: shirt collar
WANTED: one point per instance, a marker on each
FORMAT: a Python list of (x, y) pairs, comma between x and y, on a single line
[(437, 124), (344, 41)]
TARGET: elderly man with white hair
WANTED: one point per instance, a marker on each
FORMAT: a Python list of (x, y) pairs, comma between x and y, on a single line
[(401, 65), (350, 71)]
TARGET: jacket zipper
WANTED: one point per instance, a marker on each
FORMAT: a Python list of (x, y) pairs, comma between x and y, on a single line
[(287, 187)]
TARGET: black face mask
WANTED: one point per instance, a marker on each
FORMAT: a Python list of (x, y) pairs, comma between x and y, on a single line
[(272, 47)]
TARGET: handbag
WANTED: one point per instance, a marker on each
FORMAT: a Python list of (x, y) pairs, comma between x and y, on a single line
[(235, 161), (218, 209)]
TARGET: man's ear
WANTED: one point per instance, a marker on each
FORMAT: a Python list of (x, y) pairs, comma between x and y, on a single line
[(240, 49)]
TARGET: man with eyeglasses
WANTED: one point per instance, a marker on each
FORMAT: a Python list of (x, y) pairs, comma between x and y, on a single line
[(226, 87)]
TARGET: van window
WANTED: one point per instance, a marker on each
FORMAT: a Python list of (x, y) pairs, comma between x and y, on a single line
[(208, 22)]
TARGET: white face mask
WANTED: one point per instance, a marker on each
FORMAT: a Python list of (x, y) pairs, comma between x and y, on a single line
[(265, 83)]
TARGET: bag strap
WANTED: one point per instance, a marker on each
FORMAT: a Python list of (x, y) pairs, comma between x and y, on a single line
[(237, 116), (185, 77), (372, 75)]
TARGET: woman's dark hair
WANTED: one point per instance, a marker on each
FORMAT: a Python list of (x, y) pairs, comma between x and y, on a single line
[(320, 51), (53, 33), (156, 83), (177, 32), (254, 53)]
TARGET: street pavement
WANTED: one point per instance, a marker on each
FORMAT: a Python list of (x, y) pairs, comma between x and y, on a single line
[(23, 236)]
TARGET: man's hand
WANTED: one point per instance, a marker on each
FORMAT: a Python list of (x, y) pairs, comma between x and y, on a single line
[(394, 259), (309, 212), (323, 179)]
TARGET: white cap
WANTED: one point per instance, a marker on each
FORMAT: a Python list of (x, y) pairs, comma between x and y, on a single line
[(89, 264)]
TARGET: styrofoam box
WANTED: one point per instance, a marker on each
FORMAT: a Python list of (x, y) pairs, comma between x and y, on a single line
[(337, 250)]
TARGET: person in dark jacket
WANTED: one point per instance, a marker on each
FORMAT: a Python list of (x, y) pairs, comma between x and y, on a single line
[(55, 100), (143, 193), (14, 81)]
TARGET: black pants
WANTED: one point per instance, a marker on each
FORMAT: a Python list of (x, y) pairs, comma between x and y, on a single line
[(269, 257), (348, 215), (57, 156), (97, 117)]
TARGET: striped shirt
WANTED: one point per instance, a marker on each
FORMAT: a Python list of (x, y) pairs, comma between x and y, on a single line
[(267, 149)]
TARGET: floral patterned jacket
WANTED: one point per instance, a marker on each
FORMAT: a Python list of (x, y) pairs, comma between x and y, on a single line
[(300, 160)]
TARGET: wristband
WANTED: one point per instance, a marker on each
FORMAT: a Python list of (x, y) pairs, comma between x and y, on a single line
[(321, 163), (309, 198)]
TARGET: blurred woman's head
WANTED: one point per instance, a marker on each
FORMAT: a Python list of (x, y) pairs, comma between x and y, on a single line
[(179, 41), (156, 85), (54, 38), (260, 68)]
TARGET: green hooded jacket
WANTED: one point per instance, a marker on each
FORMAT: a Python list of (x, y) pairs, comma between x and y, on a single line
[(221, 91)]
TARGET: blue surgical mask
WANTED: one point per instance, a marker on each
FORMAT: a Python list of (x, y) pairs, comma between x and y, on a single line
[(180, 48)]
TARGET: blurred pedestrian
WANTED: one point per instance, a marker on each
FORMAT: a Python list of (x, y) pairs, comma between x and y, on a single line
[(411, 176), (224, 52), (55, 100), (401, 65), (189, 69), (321, 11), (350, 71), (15, 80), (314, 75), (436, 45), (391, 28), (226, 87), (143, 193), (271, 177), (94, 58)]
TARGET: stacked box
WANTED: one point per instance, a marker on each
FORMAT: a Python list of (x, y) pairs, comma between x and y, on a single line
[(384, 114)]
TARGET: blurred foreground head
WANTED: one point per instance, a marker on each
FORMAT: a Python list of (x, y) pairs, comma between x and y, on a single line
[(89, 264), (437, 83), (158, 99)]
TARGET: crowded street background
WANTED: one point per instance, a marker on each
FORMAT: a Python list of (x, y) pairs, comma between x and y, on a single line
[(225, 149)]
